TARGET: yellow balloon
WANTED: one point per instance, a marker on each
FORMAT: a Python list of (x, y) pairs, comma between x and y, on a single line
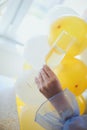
[(27, 118), (76, 27), (81, 104), (72, 74), (20, 104)]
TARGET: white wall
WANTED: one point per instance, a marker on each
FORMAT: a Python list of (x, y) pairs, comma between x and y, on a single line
[(10, 63)]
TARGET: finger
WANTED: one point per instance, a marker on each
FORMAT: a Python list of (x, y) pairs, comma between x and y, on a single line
[(37, 82), (42, 80), (42, 86), (41, 77), (44, 75), (48, 71)]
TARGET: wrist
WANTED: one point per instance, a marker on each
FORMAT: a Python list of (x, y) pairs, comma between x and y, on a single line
[(65, 104)]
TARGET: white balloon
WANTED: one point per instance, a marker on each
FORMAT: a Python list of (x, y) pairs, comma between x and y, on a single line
[(60, 11), (26, 88), (36, 50)]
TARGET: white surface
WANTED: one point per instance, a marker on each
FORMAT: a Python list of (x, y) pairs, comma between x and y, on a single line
[(8, 109), (11, 63), (78, 5), (36, 50), (27, 90)]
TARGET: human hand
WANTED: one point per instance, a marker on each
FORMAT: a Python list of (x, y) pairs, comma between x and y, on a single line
[(47, 82)]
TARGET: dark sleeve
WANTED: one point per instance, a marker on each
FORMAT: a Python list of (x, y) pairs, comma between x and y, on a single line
[(76, 123)]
